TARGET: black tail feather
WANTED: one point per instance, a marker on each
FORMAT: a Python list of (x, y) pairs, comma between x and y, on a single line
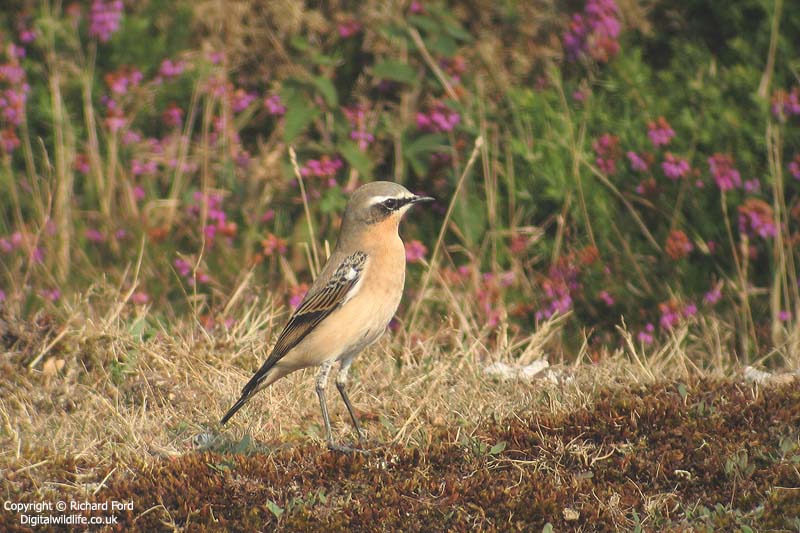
[(252, 386), (238, 405)]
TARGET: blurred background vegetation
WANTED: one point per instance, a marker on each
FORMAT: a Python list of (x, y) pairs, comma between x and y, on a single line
[(640, 170)]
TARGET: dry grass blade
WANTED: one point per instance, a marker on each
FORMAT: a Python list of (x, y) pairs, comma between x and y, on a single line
[(443, 229)]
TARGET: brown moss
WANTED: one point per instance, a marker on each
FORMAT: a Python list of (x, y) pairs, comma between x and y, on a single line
[(601, 464)]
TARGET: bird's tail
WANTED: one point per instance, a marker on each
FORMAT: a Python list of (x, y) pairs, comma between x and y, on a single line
[(265, 376), (238, 405)]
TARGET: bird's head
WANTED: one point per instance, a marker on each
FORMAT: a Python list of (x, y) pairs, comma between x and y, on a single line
[(380, 202)]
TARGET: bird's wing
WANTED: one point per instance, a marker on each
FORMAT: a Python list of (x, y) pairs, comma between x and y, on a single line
[(317, 304)]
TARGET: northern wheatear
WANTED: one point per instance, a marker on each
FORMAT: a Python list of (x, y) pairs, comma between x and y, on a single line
[(350, 303)]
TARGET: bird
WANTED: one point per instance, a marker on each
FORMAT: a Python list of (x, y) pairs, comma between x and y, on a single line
[(351, 302)]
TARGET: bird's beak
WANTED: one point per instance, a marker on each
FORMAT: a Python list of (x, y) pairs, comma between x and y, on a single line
[(422, 200)]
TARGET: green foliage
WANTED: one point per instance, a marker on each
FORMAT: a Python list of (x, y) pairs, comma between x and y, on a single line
[(552, 218)]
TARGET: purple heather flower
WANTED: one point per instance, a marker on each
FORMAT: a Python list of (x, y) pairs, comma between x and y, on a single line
[(323, 167), (139, 168), (416, 7), (27, 36), (561, 282), (794, 167), (357, 115), (713, 296), (12, 103), (674, 168), (439, 119), (243, 158), (140, 298), (138, 193), (12, 73), (637, 163), (16, 51), (606, 297), (752, 185), (415, 251), (594, 32), (8, 140), (689, 309), (364, 138), (786, 104), (723, 171), (50, 295), (2, 295), (123, 79), (349, 28), (131, 137), (241, 99), (171, 69), (669, 320), (173, 116), (508, 278), (183, 267), (274, 105), (646, 335), (756, 218), (660, 132), (6, 245), (94, 235), (297, 292), (104, 18), (784, 316), (606, 147)]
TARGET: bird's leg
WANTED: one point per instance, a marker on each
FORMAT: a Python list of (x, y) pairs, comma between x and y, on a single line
[(322, 382), (341, 383)]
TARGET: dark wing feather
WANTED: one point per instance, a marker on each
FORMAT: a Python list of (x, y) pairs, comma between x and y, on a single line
[(317, 305)]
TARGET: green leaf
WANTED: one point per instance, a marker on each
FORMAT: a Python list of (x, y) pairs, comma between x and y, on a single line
[(430, 142), (497, 448), (443, 44), (332, 201), (392, 69), (324, 59), (243, 445), (221, 467), (455, 30), (357, 159), (274, 508), (327, 90), (298, 43), (548, 528), (682, 391), (300, 111), (137, 328), (424, 23), (419, 147)]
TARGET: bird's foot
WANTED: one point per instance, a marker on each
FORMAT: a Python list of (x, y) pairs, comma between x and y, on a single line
[(341, 448)]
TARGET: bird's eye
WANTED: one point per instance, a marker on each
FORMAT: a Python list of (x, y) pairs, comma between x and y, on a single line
[(391, 204)]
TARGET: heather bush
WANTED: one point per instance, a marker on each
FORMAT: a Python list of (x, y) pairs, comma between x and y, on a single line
[(639, 166)]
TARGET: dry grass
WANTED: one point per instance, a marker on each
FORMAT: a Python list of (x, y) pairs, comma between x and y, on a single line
[(121, 385), (116, 391)]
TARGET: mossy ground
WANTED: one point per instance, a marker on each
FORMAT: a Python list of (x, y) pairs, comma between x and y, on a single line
[(705, 455)]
